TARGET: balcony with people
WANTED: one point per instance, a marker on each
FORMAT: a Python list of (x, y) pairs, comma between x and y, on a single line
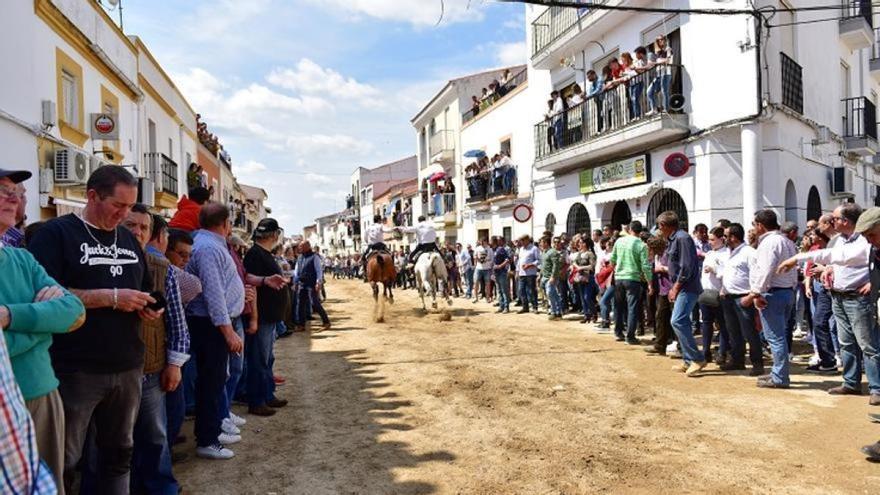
[(438, 198), (635, 103), (490, 179), (495, 92)]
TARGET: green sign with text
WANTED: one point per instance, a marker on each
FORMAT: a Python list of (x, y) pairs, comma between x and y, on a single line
[(622, 173)]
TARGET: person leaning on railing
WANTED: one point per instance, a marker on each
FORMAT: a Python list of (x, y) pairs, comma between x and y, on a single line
[(661, 58)]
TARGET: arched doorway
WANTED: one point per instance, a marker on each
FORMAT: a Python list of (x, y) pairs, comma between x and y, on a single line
[(814, 204), (550, 223), (791, 204), (667, 200), (578, 220), (620, 215)]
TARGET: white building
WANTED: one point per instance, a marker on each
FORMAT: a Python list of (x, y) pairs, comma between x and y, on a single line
[(438, 141), (491, 195), (166, 130), (365, 182), (748, 126), (63, 61)]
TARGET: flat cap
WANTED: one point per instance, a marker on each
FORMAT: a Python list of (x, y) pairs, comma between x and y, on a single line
[(868, 219)]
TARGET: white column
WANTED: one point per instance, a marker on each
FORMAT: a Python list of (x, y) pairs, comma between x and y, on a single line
[(751, 170)]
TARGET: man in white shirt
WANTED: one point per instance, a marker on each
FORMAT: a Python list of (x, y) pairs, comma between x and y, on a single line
[(772, 293), (426, 238), (850, 295), (466, 267), (734, 274), (374, 238), (484, 260)]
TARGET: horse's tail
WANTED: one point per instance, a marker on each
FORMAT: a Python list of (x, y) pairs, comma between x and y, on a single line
[(380, 260)]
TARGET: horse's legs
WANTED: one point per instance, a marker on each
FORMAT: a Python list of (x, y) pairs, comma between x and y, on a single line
[(375, 287)]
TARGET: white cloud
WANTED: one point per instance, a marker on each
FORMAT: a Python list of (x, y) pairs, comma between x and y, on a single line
[(511, 53), (415, 12), (314, 178), (331, 195), (310, 78), (319, 144), (250, 167)]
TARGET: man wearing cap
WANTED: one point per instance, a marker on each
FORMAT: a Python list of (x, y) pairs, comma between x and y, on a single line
[(868, 226), (14, 236), (34, 307), (260, 262), (851, 303)]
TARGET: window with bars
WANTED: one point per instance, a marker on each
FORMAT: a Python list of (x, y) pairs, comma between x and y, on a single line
[(792, 84), (69, 94)]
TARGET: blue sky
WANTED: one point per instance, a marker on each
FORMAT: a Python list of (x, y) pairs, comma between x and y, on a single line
[(301, 92)]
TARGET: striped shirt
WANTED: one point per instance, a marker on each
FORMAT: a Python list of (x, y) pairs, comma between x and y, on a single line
[(23, 473), (13, 238)]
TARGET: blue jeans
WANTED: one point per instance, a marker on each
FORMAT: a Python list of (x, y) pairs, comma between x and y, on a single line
[(635, 99), (659, 84), (629, 304), (482, 279), (774, 319), (557, 133), (212, 360), (258, 352), (469, 282), (188, 383), (280, 329), (527, 291), (822, 316), (711, 314), (859, 341), (151, 457), (740, 323), (588, 297), (553, 297), (234, 372), (605, 303), (683, 327), (307, 301), (175, 410), (502, 289)]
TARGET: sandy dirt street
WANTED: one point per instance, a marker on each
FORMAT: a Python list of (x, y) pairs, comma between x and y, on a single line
[(498, 404)]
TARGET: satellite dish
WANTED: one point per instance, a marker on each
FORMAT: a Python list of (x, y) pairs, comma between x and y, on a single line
[(113, 3)]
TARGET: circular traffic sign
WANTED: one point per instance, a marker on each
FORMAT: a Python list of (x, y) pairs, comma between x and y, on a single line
[(522, 213), (676, 164)]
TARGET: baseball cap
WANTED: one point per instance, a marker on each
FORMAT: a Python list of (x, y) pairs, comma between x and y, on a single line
[(868, 219), (15, 175), (267, 225)]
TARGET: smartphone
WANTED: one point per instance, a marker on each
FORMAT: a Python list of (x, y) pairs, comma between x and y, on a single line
[(160, 301)]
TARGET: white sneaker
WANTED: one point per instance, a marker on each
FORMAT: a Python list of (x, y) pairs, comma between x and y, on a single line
[(227, 426), (236, 419), (227, 439), (838, 362), (672, 348), (814, 360), (216, 451)]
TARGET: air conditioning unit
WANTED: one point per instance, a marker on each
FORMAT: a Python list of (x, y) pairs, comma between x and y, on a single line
[(71, 166), (146, 192), (95, 163), (842, 182)]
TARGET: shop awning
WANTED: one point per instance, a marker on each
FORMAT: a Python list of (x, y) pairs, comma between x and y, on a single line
[(63, 207), (625, 193)]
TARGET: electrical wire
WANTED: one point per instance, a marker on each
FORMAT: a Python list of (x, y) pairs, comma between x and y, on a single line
[(659, 10)]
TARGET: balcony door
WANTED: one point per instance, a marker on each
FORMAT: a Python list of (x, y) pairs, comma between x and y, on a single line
[(151, 136)]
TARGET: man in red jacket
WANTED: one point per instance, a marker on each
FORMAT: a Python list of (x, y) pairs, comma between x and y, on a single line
[(188, 208)]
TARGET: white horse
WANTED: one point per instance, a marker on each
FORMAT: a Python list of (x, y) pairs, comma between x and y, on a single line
[(431, 277)]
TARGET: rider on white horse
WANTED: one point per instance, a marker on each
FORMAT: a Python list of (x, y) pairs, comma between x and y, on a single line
[(426, 238)]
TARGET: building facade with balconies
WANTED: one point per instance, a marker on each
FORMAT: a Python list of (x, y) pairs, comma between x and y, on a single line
[(739, 119), (492, 189), (438, 141), (370, 184)]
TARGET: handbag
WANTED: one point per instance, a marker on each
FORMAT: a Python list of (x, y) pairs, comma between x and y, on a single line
[(709, 297)]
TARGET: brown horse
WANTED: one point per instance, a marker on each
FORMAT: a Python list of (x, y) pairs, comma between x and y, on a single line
[(380, 268)]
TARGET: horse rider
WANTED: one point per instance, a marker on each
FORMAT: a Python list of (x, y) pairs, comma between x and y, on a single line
[(375, 240), (426, 238)]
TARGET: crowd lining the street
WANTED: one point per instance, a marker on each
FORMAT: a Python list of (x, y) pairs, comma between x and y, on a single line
[(117, 325)]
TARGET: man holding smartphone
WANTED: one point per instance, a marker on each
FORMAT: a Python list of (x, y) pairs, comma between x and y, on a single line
[(166, 342)]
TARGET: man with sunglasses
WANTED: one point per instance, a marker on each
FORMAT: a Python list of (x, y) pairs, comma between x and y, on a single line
[(851, 304), (14, 236)]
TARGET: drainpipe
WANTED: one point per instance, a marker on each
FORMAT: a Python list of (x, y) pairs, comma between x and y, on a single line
[(750, 137)]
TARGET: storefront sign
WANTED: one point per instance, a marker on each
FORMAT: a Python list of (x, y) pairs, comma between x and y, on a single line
[(104, 127), (622, 173)]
